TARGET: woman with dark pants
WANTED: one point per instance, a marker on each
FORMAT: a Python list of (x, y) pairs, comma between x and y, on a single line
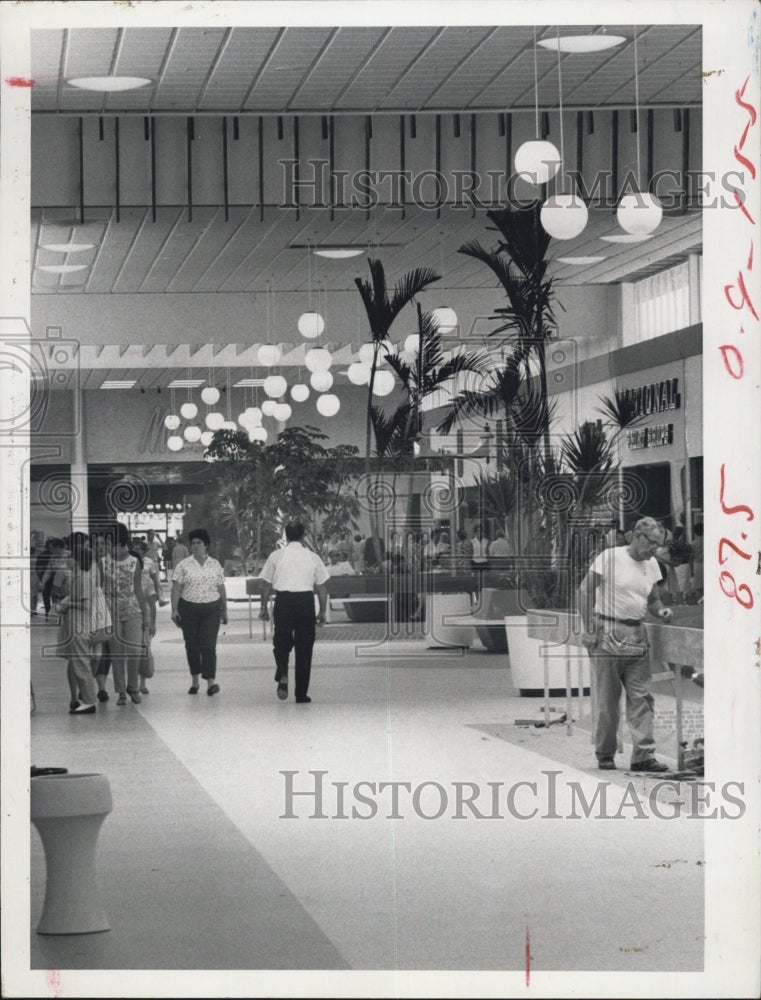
[(199, 606)]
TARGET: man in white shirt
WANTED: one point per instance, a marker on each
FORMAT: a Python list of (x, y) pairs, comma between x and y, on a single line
[(619, 589), (499, 548), (294, 573)]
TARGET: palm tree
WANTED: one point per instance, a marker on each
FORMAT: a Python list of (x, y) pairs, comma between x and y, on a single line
[(621, 411), (381, 311)]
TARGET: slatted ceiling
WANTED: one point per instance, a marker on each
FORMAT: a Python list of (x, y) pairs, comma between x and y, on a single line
[(343, 54), (236, 68), (442, 58), (188, 67), (180, 243), (295, 51), (213, 236), (374, 84)]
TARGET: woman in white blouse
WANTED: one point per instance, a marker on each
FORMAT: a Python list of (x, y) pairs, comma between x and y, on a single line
[(199, 606)]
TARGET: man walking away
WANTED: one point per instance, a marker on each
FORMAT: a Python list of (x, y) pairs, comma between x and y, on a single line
[(294, 572)]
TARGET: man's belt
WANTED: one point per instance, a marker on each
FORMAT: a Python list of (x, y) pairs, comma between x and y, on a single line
[(620, 621)]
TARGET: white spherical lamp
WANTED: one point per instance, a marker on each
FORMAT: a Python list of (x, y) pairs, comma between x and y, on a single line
[(214, 420), (171, 422), (383, 383), (300, 392), (639, 214), (537, 161), (366, 354), (210, 395), (318, 359), (244, 419), (174, 443), (268, 407), (328, 404), (189, 410), (564, 216), (275, 386), (282, 412), (229, 425), (358, 373), (258, 434), (192, 433), (254, 416), (269, 354), (206, 438), (412, 343), (445, 319), (321, 381), (310, 325)]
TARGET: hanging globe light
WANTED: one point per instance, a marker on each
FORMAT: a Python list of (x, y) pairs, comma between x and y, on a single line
[(210, 395), (258, 434), (366, 354), (537, 161), (214, 420), (300, 392), (254, 416), (383, 384), (174, 443), (282, 412), (244, 419), (171, 422), (310, 324), (189, 410), (268, 407), (192, 433), (206, 438), (412, 343), (275, 386), (445, 319), (564, 216), (321, 381), (639, 214), (359, 374), (269, 354), (328, 405), (229, 425), (318, 359)]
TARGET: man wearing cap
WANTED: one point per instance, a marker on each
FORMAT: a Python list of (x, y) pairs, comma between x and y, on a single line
[(294, 573), (619, 589)]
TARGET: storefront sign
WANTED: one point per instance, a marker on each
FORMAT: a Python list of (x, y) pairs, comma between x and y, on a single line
[(655, 397), (651, 437)]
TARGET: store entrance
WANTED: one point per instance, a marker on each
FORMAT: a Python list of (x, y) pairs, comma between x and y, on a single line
[(656, 485)]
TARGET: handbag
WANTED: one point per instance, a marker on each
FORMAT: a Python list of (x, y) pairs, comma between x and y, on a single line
[(101, 628)]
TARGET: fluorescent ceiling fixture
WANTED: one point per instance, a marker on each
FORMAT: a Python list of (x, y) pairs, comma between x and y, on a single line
[(625, 238), (581, 43), (186, 383), (106, 83), (67, 247), (248, 383), (579, 260), (62, 268), (115, 384), (339, 254)]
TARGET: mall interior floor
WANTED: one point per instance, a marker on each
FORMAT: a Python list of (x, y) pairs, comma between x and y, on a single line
[(205, 862)]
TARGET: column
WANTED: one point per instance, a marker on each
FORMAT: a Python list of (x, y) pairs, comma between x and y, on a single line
[(80, 513)]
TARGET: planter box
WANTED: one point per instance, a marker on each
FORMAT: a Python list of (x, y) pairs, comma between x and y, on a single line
[(438, 608), (494, 604), (528, 656)]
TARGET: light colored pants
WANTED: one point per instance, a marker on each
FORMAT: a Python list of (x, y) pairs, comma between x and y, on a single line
[(126, 648), (612, 673), (78, 654)]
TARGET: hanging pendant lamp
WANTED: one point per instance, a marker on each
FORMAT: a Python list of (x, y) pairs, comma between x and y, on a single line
[(537, 160)]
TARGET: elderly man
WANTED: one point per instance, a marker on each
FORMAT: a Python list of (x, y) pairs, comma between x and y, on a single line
[(614, 597), (294, 572)]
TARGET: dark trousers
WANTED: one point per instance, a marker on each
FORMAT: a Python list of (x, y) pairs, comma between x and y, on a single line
[(294, 621), (104, 663), (200, 627)]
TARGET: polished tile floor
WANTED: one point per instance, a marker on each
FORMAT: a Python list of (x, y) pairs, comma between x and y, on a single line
[(206, 863)]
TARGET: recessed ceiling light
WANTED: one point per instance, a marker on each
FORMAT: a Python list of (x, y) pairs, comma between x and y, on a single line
[(67, 247), (62, 268), (579, 260), (116, 384), (186, 383), (248, 383), (581, 43), (625, 238), (341, 254), (106, 83)]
